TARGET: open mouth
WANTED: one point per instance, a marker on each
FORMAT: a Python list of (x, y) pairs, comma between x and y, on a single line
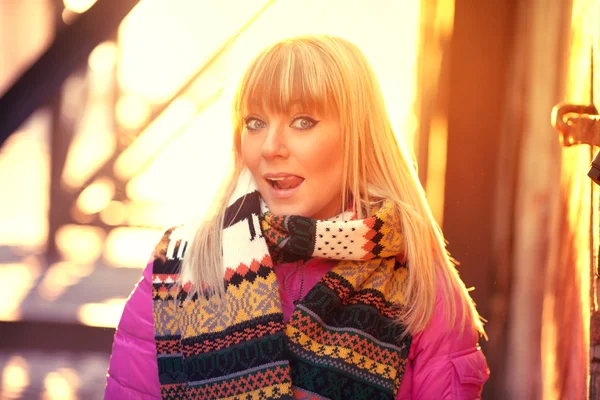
[(284, 183)]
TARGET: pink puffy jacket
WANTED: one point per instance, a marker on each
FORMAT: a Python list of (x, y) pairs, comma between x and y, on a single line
[(442, 364)]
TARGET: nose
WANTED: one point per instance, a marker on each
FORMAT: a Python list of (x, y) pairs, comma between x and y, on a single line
[(274, 145)]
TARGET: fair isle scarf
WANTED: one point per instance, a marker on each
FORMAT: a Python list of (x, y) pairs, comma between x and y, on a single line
[(342, 341)]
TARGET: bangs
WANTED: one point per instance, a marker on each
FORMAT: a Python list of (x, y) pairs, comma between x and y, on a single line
[(287, 75)]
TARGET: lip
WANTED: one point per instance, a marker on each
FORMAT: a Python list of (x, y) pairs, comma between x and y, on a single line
[(282, 193), (279, 175)]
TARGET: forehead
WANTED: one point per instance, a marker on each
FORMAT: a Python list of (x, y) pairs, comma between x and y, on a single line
[(292, 107)]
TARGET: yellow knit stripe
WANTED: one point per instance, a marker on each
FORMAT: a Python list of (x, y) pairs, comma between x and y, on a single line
[(259, 394), (246, 302), (348, 355), (393, 241)]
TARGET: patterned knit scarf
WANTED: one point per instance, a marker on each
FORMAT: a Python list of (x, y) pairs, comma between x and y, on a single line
[(342, 340)]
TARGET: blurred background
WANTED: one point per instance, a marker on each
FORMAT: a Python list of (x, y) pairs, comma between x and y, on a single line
[(114, 124)]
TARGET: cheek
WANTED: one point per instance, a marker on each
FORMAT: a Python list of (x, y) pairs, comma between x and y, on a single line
[(326, 159), (325, 171)]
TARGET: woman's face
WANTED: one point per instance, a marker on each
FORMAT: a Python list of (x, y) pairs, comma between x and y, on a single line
[(296, 160)]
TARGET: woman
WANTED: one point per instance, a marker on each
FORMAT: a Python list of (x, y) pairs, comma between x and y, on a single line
[(321, 272)]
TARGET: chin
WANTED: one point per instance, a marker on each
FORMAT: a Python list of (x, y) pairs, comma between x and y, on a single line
[(286, 209)]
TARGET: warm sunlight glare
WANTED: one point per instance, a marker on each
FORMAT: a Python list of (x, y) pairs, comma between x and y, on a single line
[(15, 378), (24, 183), (115, 213), (436, 171), (438, 130), (22, 277), (96, 196), (158, 214), (69, 16), (444, 18), (106, 314), (132, 112), (61, 385), (103, 58), (60, 277), (93, 107), (90, 148), (80, 244), (157, 135), (156, 62), (130, 247), (78, 6), (189, 153)]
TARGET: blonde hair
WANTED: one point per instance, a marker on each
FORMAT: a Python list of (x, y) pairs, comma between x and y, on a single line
[(331, 75)]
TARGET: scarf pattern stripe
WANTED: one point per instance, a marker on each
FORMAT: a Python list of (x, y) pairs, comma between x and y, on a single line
[(342, 340)]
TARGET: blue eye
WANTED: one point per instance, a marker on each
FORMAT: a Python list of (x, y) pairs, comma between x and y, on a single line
[(304, 123), (254, 124)]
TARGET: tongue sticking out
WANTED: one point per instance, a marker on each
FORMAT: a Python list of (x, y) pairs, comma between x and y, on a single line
[(289, 182)]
